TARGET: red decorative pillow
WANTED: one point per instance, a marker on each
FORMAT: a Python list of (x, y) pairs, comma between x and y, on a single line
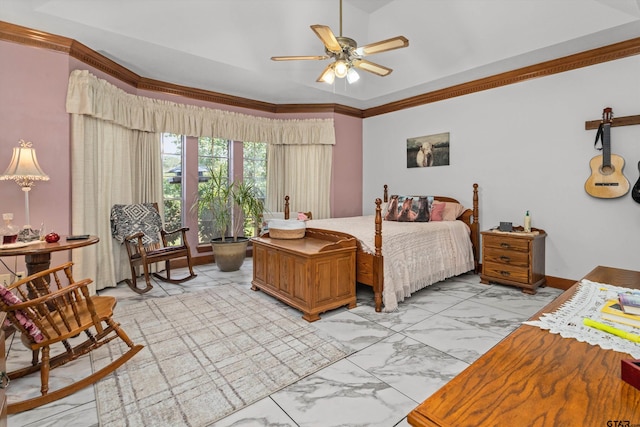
[(437, 210), (451, 210), (10, 299)]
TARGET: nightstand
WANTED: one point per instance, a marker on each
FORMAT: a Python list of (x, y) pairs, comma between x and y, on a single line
[(514, 258)]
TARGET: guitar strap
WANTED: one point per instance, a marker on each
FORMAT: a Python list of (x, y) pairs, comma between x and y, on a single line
[(599, 136)]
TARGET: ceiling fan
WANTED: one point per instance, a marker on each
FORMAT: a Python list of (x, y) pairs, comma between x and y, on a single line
[(347, 54)]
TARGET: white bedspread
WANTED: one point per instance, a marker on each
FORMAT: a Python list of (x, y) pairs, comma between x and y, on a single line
[(416, 254)]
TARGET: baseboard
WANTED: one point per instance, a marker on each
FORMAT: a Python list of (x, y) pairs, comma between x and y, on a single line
[(196, 260)]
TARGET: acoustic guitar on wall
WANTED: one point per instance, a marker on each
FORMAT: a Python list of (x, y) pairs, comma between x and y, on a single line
[(606, 180), (635, 191)]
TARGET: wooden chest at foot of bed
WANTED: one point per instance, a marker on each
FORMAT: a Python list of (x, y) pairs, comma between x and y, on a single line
[(313, 274)]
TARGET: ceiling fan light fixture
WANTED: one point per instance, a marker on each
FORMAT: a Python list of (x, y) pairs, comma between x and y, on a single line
[(341, 68), (352, 76), (347, 54)]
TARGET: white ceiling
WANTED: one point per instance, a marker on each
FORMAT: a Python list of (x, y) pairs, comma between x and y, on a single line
[(225, 45)]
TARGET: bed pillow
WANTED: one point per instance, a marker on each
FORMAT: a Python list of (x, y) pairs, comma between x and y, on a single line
[(408, 208), (451, 210), (437, 210)]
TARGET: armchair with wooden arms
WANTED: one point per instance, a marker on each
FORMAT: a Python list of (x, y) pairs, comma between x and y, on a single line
[(49, 308), (139, 228)]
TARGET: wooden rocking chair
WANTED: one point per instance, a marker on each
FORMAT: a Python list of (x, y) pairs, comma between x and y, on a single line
[(48, 313), (139, 227)]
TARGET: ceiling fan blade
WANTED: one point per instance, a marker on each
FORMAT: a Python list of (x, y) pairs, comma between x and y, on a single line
[(327, 71), (297, 58), (327, 37), (384, 45), (371, 67)]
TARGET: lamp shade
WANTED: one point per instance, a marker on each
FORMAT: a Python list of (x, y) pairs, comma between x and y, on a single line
[(352, 76), (341, 68), (328, 76), (24, 167)]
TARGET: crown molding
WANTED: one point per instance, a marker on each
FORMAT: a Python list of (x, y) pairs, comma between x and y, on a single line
[(23, 35), (203, 95), (567, 63)]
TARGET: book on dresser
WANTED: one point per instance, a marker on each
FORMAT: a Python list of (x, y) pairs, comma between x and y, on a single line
[(612, 311), (630, 302)]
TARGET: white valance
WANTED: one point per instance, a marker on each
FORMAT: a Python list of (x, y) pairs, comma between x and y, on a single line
[(89, 95)]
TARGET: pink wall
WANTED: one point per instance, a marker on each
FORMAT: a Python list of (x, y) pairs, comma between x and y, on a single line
[(33, 88), (32, 107), (346, 179)]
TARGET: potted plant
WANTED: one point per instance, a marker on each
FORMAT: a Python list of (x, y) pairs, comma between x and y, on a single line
[(228, 204)]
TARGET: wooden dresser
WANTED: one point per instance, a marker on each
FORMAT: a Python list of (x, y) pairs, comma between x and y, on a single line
[(536, 378), (515, 259), (313, 274)]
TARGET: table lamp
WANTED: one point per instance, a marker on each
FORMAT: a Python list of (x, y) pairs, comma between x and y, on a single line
[(24, 170)]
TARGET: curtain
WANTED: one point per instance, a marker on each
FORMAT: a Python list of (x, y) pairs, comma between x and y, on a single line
[(303, 172), (115, 144), (98, 98), (109, 165)]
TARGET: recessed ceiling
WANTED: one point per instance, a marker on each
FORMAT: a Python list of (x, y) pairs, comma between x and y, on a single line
[(226, 45)]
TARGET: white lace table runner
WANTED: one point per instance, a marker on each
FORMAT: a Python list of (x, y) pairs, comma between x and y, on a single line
[(587, 302)]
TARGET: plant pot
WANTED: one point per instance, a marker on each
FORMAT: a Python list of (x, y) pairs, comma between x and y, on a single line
[(229, 255)]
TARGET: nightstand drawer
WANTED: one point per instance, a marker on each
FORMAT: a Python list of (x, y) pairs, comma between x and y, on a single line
[(507, 272), (501, 256), (505, 243)]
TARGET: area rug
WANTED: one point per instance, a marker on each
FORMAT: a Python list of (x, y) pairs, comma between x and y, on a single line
[(207, 354)]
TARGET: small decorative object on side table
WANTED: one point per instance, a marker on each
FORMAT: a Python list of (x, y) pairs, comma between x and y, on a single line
[(514, 258)]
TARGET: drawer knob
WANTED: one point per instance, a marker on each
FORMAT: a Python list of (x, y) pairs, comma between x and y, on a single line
[(505, 273), (505, 258), (505, 245)]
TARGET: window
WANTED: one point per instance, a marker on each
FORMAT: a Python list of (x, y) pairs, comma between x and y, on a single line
[(254, 169), (172, 181), (214, 154)]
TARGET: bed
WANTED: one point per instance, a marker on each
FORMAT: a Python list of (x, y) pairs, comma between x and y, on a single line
[(400, 268)]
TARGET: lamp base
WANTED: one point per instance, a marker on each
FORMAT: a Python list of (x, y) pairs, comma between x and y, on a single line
[(28, 234)]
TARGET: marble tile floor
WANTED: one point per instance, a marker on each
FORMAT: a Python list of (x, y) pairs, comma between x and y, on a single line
[(399, 359)]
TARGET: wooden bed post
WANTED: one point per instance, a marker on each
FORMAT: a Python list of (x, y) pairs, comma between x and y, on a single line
[(378, 268), (386, 193), (475, 231), (286, 207)]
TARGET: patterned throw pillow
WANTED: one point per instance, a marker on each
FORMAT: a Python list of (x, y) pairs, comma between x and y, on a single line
[(408, 208), (10, 299)]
